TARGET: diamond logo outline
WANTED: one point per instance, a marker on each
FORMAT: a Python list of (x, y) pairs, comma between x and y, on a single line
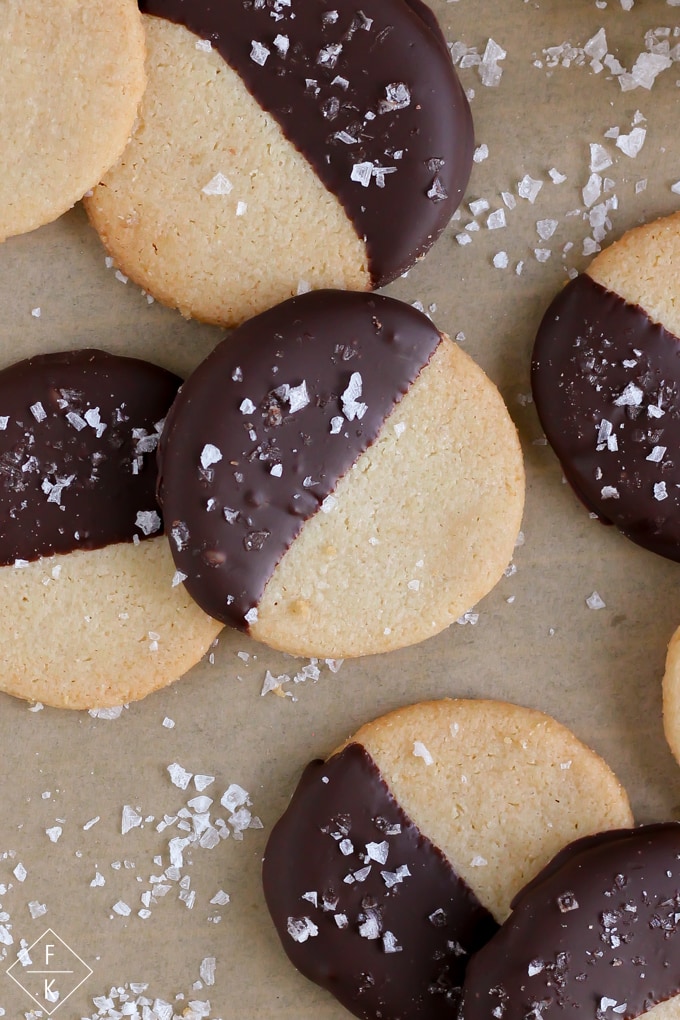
[(42, 1004)]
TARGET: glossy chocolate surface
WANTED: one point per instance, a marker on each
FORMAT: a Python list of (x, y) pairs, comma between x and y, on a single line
[(594, 936), (367, 93), (78, 433), (606, 382), (365, 905), (266, 426)]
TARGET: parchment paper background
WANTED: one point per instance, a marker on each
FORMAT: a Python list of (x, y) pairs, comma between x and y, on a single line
[(536, 641)]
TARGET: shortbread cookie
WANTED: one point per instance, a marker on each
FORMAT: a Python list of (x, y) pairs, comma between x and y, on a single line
[(606, 382), (339, 478), (71, 78), (285, 148), (90, 615), (671, 695), (594, 935), (398, 856)]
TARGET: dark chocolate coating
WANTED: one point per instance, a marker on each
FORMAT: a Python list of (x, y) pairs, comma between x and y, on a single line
[(357, 84), (606, 383), (341, 809), (230, 521), (77, 453), (595, 935)]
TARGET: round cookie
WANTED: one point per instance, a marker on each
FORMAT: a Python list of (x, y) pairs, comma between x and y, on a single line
[(71, 78), (284, 149), (398, 856), (606, 384), (338, 478), (594, 935), (90, 614), (671, 695)]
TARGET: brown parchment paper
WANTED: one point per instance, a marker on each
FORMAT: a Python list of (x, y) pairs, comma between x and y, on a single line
[(535, 640)]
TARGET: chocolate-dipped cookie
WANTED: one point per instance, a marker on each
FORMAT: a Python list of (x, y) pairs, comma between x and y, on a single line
[(594, 935), (90, 614), (398, 856), (339, 478), (282, 147), (59, 139), (606, 383)]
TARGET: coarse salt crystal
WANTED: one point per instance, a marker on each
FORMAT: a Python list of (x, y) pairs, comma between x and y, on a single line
[(204, 45), (595, 601), (259, 53), (282, 44), (660, 491), (500, 260), (630, 397), (148, 521), (496, 220)]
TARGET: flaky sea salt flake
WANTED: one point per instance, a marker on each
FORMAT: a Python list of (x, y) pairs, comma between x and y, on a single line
[(599, 157), (592, 190), (595, 601), (130, 819), (420, 751), (631, 396), (218, 185), (546, 228), (351, 405), (529, 188), (210, 454), (301, 928), (179, 776), (660, 492), (631, 144)]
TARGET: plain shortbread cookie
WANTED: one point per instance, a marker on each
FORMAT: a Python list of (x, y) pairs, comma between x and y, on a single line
[(71, 78)]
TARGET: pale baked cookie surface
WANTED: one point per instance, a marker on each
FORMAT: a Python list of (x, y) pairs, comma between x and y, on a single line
[(71, 78), (592, 935), (671, 695), (319, 148), (606, 381), (339, 478), (90, 614), (398, 856), (98, 628)]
